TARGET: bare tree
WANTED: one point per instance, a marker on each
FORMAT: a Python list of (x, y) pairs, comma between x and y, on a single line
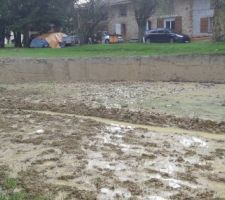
[(219, 20), (89, 15), (143, 9)]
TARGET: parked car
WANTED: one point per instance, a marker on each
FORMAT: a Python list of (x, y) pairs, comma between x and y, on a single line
[(111, 38), (71, 40), (165, 35)]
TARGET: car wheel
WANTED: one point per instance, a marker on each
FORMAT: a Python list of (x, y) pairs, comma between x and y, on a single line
[(148, 40), (171, 40), (106, 41)]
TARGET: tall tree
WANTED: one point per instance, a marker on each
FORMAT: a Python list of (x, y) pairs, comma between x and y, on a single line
[(143, 9), (89, 15), (219, 20), (4, 20), (27, 15)]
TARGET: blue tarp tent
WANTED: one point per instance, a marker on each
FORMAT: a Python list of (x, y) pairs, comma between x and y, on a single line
[(38, 43)]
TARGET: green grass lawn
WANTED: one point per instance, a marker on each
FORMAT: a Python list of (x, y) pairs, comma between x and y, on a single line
[(126, 49)]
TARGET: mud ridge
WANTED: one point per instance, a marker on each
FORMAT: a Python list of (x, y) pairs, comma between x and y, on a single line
[(125, 115)]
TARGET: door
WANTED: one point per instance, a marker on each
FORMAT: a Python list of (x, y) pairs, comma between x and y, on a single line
[(118, 29), (123, 30)]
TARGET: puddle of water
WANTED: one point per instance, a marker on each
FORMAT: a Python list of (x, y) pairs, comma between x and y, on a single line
[(154, 198), (187, 142), (106, 193), (96, 160), (174, 183), (166, 166)]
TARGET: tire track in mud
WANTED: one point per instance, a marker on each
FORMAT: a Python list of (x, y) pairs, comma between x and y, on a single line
[(124, 115), (161, 130)]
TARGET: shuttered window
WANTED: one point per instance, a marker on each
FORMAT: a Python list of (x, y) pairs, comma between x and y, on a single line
[(178, 24), (123, 11), (204, 25)]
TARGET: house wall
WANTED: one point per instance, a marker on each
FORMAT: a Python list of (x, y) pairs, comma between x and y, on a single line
[(201, 9), (180, 9), (129, 21), (190, 12)]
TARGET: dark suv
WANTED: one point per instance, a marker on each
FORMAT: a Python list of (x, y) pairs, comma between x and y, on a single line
[(165, 35)]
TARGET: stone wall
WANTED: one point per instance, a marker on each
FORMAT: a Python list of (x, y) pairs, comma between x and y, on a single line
[(160, 68), (201, 9), (181, 9), (191, 12), (129, 21)]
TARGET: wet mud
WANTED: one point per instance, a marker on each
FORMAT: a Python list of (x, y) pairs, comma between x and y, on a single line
[(77, 157), (188, 106)]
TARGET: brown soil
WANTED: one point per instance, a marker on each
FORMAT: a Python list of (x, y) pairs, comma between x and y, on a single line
[(71, 157), (93, 100)]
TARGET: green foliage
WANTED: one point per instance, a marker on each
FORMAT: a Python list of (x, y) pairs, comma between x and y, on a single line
[(9, 184), (22, 16), (8, 191), (13, 196), (37, 14)]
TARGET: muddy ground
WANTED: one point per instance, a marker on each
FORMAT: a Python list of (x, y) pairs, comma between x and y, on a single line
[(75, 157), (185, 105)]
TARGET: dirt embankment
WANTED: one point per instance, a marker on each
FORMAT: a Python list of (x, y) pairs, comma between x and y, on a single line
[(195, 68)]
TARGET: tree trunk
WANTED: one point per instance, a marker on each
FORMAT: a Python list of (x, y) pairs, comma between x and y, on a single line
[(141, 30), (2, 37), (219, 21), (17, 39), (26, 39)]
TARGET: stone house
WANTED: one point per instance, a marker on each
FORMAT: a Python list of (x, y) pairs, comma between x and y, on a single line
[(192, 17)]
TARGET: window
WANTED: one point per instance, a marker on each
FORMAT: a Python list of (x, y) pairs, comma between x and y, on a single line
[(169, 23), (160, 31), (206, 25), (118, 29), (155, 31), (123, 30), (123, 11), (148, 25), (166, 31)]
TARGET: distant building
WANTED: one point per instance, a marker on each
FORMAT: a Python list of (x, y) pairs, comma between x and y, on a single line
[(202, 18), (192, 17), (122, 20)]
